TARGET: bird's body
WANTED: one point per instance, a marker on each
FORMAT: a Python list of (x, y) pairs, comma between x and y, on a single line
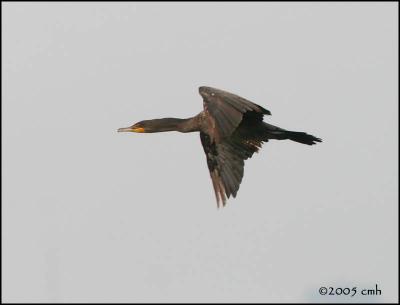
[(231, 130)]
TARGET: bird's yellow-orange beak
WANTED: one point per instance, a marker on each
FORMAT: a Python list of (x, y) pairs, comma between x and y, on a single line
[(131, 129)]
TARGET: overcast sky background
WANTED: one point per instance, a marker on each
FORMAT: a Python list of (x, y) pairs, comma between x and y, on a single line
[(93, 215)]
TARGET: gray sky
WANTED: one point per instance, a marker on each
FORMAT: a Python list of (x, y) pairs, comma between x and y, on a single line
[(93, 215)]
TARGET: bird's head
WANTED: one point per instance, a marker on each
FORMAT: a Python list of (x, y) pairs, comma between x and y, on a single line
[(137, 127), (156, 125)]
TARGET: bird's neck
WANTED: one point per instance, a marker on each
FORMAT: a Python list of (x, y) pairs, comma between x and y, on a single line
[(175, 124), (189, 125)]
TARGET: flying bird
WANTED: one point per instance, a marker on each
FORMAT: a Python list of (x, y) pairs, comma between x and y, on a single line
[(231, 131)]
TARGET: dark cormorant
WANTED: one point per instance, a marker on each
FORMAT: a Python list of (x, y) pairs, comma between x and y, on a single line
[(231, 130)]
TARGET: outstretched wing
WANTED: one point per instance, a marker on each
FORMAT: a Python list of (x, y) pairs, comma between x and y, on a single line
[(225, 161), (225, 111)]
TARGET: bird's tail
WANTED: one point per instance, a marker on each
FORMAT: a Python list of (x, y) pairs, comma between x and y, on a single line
[(302, 137), (274, 132)]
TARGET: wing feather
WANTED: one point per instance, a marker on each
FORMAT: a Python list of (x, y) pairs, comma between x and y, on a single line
[(225, 162), (229, 138), (227, 109)]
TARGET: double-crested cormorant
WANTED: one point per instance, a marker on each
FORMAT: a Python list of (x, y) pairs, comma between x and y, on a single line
[(231, 130)]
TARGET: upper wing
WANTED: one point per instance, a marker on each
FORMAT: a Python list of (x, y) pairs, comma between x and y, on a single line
[(225, 111), (225, 162)]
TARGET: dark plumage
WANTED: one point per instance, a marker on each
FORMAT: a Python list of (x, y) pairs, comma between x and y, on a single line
[(231, 131)]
